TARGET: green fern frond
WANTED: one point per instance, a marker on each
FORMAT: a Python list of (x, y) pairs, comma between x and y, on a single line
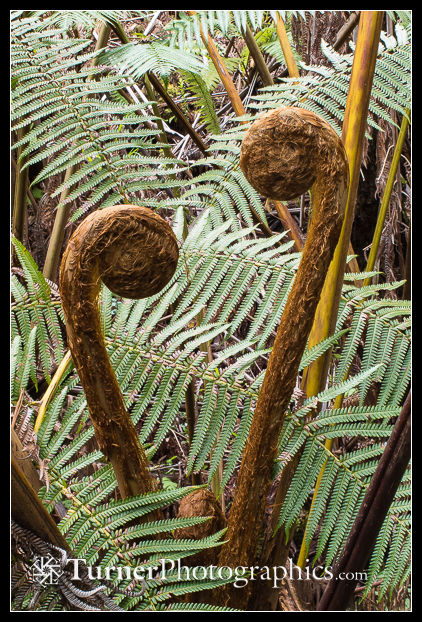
[(138, 59), (23, 364), (204, 101), (59, 102), (37, 317)]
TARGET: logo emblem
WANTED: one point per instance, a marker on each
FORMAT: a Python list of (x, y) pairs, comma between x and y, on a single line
[(46, 570)]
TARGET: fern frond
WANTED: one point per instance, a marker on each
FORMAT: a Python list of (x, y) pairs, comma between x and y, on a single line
[(138, 59), (204, 101), (34, 308), (72, 121)]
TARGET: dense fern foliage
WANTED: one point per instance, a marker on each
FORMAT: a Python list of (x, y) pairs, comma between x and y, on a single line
[(100, 140), (229, 289), (324, 89)]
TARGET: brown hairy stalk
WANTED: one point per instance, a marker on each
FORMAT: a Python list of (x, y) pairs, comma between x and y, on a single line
[(201, 502), (285, 152), (134, 252)]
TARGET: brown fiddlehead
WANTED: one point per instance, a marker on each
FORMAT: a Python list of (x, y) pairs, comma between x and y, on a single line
[(135, 253), (284, 153)]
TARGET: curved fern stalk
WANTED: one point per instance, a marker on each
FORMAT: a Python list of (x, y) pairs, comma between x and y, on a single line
[(330, 190), (135, 252), (63, 467)]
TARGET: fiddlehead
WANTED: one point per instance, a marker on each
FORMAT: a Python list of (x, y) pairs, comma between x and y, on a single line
[(134, 252), (284, 153)]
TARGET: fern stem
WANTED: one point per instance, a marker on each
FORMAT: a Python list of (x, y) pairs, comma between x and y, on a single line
[(52, 387), (354, 126), (20, 192), (57, 234), (256, 54), (177, 111), (387, 194), (222, 71), (103, 37), (28, 191), (135, 252), (168, 152), (346, 29), (287, 48)]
